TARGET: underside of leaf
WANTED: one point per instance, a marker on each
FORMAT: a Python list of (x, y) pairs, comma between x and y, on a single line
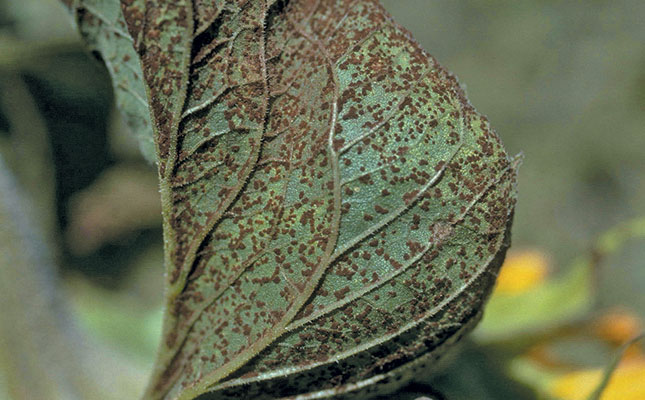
[(335, 211)]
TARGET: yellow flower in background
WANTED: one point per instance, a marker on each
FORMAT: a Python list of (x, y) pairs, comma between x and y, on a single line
[(627, 383), (628, 380), (617, 326), (522, 270)]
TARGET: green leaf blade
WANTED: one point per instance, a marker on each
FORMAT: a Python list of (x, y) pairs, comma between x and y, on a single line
[(392, 282), (221, 130), (335, 211), (275, 241), (102, 25), (162, 34)]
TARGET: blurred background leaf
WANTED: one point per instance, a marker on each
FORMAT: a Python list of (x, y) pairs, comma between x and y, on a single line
[(42, 352), (554, 332), (525, 303), (123, 200)]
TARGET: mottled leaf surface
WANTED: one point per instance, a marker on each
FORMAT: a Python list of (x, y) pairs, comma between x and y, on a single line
[(335, 211), (426, 195), (102, 25)]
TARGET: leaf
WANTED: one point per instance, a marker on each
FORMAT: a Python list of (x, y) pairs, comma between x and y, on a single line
[(540, 309), (335, 211), (30, 155), (523, 316), (102, 25)]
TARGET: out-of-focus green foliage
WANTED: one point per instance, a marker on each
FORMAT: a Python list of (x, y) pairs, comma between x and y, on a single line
[(548, 329), (545, 306), (561, 299), (611, 368), (42, 354)]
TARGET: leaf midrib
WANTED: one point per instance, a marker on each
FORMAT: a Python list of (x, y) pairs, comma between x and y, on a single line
[(278, 329)]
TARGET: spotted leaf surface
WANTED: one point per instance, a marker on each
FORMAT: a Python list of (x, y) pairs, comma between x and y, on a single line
[(335, 211), (427, 193), (102, 25)]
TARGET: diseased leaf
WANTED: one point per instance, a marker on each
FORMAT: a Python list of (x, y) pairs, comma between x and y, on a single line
[(102, 25), (335, 211)]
